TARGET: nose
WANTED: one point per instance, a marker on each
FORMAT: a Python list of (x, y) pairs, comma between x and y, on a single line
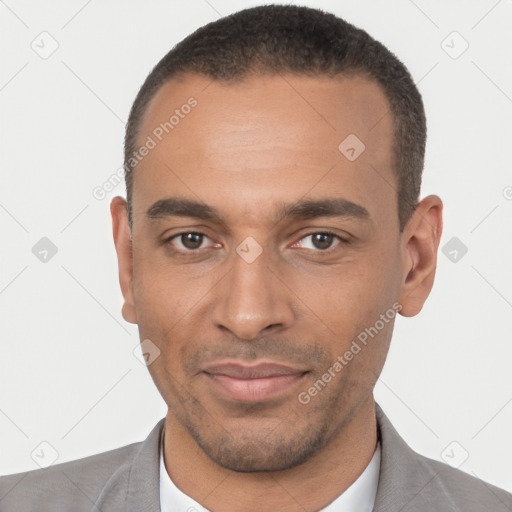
[(251, 300)]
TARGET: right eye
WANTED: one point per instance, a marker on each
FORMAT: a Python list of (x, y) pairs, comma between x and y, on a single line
[(188, 241)]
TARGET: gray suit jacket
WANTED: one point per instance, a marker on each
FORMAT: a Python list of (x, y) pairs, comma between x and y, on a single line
[(127, 479)]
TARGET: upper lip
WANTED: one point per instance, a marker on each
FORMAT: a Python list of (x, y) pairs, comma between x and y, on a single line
[(258, 371)]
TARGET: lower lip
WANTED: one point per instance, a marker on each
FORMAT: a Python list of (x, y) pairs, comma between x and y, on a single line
[(254, 390)]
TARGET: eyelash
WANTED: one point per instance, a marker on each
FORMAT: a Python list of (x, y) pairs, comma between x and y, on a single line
[(324, 232), (340, 239)]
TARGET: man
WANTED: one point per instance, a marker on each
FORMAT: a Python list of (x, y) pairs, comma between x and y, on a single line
[(271, 233)]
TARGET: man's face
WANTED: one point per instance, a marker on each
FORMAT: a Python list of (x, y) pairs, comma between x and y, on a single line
[(248, 281)]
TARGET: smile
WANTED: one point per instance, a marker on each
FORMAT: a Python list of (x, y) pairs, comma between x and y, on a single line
[(253, 383)]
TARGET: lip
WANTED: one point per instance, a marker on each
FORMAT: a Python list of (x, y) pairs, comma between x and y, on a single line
[(254, 383)]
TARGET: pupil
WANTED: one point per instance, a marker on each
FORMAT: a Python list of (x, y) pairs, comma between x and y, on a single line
[(322, 240), (192, 240)]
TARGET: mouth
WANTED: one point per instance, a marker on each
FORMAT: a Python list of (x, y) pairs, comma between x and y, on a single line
[(255, 383)]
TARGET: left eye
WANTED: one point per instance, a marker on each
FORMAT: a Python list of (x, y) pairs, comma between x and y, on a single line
[(189, 241), (319, 241)]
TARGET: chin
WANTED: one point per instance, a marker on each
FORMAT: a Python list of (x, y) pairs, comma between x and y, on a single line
[(269, 453)]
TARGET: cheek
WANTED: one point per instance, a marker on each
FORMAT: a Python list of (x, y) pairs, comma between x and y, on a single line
[(345, 296), (167, 307), (349, 303), (161, 297)]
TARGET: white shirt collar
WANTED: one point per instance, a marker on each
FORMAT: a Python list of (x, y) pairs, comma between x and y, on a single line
[(359, 496)]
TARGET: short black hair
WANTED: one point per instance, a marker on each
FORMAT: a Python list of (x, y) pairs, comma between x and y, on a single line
[(272, 39)]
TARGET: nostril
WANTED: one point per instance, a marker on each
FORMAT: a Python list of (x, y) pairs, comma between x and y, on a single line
[(271, 326)]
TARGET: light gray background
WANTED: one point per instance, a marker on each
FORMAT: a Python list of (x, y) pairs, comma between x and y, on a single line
[(69, 376)]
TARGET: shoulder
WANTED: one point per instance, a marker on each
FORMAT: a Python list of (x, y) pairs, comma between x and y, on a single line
[(464, 491), (410, 481), (69, 485)]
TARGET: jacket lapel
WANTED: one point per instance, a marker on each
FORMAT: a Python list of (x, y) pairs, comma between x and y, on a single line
[(143, 494), (406, 482)]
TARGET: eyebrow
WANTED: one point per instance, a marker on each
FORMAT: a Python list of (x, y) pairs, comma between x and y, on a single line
[(303, 210)]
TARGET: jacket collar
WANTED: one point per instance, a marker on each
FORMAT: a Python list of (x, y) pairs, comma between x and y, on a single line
[(406, 482), (143, 494)]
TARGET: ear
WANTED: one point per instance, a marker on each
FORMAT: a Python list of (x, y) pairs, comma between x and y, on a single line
[(420, 241), (123, 243)]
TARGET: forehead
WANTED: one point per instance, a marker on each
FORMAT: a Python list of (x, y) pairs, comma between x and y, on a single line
[(265, 138)]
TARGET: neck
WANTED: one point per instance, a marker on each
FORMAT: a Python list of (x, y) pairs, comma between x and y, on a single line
[(310, 486)]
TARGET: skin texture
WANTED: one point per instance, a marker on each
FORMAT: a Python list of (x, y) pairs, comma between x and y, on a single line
[(246, 149)]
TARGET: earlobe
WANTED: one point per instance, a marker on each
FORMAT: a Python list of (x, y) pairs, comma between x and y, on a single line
[(420, 241), (123, 243)]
